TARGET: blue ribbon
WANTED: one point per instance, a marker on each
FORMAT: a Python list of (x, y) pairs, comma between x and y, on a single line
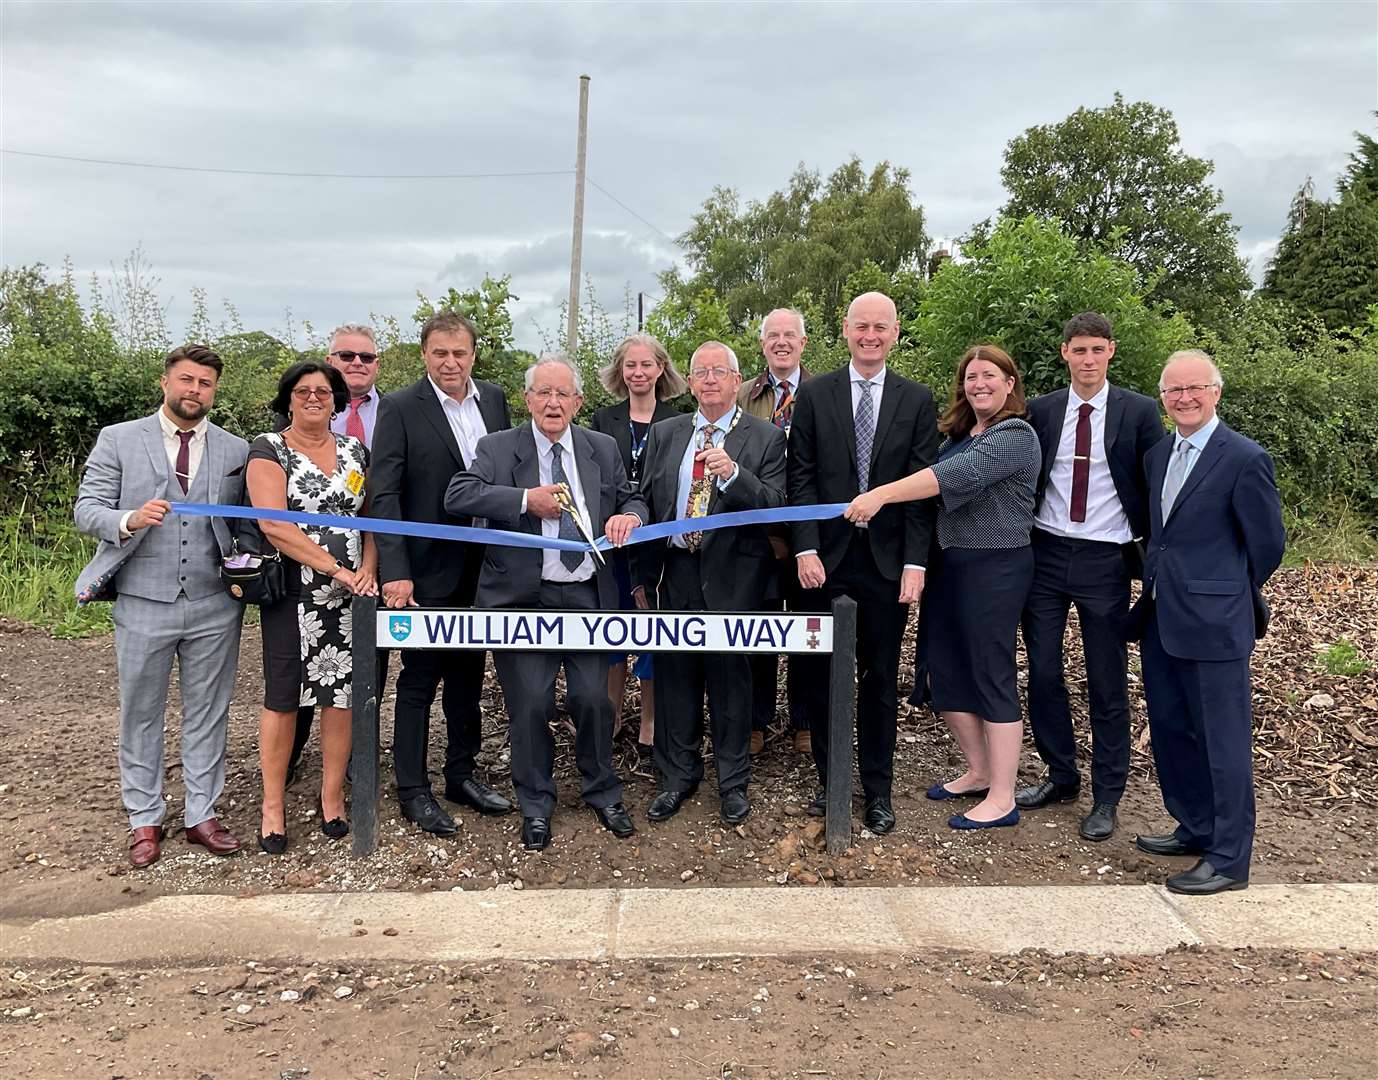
[(505, 538)]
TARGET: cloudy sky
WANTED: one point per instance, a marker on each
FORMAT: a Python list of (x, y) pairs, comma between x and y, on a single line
[(683, 97)]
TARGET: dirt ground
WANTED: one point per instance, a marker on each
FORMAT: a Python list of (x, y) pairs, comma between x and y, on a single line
[(1189, 1013)]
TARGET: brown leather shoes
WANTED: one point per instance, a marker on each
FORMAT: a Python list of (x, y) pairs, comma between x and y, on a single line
[(144, 849), (214, 837), (803, 741)]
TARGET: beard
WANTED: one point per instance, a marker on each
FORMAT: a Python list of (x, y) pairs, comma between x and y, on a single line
[(188, 408)]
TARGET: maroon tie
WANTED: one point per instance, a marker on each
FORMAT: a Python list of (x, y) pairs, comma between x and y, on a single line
[(184, 460), (354, 423), (1081, 462)]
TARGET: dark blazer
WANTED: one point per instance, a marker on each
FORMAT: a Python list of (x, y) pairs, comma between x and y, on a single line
[(734, 563), (1210, 559), (615, 420), (413, 458), (822, 467), (505, 466), (1133, 426)]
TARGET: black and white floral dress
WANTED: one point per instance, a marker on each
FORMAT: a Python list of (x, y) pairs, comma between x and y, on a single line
[(323, 607)]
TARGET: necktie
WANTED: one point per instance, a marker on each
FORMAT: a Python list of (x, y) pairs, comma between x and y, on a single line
[(865, 423), (700, 487), (183, 468), (1176, 476), (354, 423), (784, 408), (1081, 461), (568, 530)]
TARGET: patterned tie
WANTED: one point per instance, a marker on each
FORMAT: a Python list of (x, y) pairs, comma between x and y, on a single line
[(183, 467), (700, 487), (568, 530), (354, 423), (784, 408), (865, 422), (1081, 462), (1176, 476)]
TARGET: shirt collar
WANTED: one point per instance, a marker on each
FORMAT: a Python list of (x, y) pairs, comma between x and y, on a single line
[(792, 379), (1198, 438), (875, 380), (722, 423), (170, 429), (444, 397), (544, 443), (1097, 402)]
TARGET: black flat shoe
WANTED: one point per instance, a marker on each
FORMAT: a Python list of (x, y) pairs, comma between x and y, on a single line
[(1040, 795), (335, 828), (425, 813), (1167, 844), (479, 796), (1204, 880), (819, 806), (616, 820), (535, 833), (735, 806), (879, 816), (1099, 824), (666, 805), (275, 843)]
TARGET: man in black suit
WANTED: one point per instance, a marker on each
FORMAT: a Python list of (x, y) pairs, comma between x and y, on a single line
[(718, 460), (854, 429), (426, 433), (1092, 507), (514, 482)]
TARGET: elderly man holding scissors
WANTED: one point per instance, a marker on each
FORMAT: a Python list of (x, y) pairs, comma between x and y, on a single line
[(556, 480)]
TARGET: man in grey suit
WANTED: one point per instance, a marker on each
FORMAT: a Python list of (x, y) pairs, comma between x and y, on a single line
[(717, 460), (169, 601), (517, 481)]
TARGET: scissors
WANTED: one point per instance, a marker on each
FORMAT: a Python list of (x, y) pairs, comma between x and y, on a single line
[(565, 498)]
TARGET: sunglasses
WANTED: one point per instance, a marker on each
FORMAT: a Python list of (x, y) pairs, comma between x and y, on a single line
[(348, 356)]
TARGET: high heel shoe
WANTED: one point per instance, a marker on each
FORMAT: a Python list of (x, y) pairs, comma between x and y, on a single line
[(275, 843), (335, 828)]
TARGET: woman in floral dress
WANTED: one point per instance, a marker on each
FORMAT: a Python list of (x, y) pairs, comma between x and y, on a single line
[(307, 635)]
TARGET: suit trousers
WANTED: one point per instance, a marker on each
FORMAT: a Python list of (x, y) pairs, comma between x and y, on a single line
[(528, 685), (765, 671), (420, 676), (1092, 575), (202, 636), (880, 623), (680, 681), (1200, 715)]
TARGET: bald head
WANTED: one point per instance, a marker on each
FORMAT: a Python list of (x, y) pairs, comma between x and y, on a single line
[(871, 329)]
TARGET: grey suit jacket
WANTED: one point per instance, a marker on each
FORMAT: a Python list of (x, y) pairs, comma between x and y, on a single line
[(127, 467), (505, 465)]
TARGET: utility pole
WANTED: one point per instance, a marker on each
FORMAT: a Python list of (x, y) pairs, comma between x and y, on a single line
[(640, 312), (577, 254)]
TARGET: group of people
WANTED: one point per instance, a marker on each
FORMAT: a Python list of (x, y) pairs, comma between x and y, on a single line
[(998, 515)]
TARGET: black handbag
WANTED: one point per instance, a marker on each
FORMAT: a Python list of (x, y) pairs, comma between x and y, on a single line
[(253, 578)]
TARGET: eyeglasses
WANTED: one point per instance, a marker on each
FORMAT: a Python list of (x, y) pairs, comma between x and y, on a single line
[(1193, 389), (702, 373), (545, 393), (348, 356), (301, 393)]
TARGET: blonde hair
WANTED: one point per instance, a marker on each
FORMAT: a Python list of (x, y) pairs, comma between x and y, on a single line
[(669, 384)]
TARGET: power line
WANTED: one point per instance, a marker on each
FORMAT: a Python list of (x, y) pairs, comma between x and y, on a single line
[(629, 210)]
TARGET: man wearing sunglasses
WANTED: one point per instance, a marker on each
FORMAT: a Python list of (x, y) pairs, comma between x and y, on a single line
[(354, 354)]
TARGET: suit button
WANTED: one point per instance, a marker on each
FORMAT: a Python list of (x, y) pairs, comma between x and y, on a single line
[(184, 560), (184, 543), (184, 577)]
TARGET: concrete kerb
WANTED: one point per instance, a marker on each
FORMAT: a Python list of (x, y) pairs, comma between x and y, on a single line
[(598, 924)]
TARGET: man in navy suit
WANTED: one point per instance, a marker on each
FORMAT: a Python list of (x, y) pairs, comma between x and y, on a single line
[(1215, 537), (1092, 507)]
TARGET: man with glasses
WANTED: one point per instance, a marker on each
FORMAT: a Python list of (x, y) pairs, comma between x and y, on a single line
[(717, 460), (353, 353), (553, 479), (771, 396), (1215, 537)]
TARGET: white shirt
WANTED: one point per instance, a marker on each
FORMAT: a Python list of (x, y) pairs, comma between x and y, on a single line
[(791, 380), (1105, 517), (686, 463), (368, 414), (552, 568), (465, 419), (172, 446)]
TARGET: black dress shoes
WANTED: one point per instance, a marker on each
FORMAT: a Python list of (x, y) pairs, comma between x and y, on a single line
[(479, 796), (1164, 845), (423, 811), (535, 833), (1040, 795), (666, 805), (615, 819), (1204, 880), (1099, 824), (879, 818), (819, 806), (735, 806)]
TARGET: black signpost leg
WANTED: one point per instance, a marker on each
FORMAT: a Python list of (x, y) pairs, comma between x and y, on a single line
[(363, 817), (841, 722)]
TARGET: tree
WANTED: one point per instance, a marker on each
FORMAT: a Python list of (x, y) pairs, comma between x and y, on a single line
[(1018, 288), (1119, 181)]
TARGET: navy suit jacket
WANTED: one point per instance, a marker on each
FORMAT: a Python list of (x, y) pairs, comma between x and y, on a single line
[(1132, 427), (1209, 560)]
